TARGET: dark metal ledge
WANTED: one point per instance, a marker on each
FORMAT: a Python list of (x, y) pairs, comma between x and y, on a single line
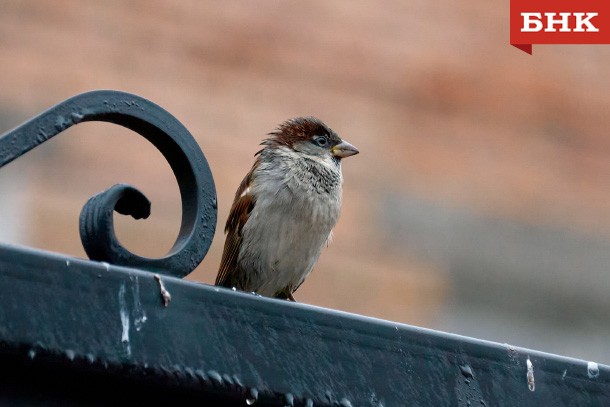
[(68, 324)]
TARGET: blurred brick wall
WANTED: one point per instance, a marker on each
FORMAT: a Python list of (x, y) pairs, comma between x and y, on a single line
[(443, 110)]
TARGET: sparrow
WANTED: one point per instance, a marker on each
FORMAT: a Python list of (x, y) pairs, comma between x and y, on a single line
[(284, 209)]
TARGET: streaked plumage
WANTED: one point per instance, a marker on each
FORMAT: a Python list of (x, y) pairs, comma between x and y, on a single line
[(284, 209)]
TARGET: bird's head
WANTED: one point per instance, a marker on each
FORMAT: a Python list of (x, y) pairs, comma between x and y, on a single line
[(311, 137)]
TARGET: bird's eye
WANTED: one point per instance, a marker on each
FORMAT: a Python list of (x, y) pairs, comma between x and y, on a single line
[(321, 141)]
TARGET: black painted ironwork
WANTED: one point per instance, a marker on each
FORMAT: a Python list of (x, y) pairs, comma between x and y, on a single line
[(67, 323), (175, 143), (76, 332)]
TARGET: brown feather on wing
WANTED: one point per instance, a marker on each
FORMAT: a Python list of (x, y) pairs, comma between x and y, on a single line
[(238, 216)]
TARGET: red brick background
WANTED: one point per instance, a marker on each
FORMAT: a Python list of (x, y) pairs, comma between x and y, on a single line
[(480, 166)]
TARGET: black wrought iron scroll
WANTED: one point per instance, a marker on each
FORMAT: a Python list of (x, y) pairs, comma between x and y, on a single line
[(173, 140)]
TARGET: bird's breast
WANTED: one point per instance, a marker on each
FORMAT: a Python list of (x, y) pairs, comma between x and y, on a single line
[(292, 218)]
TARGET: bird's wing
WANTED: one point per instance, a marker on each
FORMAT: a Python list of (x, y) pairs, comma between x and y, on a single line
[(238, 216)]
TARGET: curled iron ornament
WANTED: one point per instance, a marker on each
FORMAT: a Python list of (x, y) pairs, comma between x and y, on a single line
[(171, 138)]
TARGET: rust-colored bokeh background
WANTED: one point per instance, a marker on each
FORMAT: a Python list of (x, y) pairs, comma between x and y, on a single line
[(480, 202)]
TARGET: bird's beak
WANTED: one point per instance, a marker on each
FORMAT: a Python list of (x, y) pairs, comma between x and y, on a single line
[(344, 149)]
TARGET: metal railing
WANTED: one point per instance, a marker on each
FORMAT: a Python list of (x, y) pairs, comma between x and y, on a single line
[(103, 331)]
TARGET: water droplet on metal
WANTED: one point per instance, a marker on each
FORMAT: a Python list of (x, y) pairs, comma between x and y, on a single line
[(309, 403), (237, 381), (227, 379), (90, 358), (201, 375), (76, 117), (289, 399), (592, 370), (190, 373), (345, 403), (252, 396), (31, 354), (531, 384), (215, 376), (466, 371), (70, 354)]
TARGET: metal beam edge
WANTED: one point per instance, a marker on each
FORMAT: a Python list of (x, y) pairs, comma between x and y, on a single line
[(96, 323)]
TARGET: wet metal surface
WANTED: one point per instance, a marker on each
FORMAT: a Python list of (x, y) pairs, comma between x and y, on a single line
[(108, 324), (113, 333), (173, 140)]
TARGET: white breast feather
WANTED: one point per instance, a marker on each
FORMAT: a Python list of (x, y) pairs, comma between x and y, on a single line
[(290, 223)]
